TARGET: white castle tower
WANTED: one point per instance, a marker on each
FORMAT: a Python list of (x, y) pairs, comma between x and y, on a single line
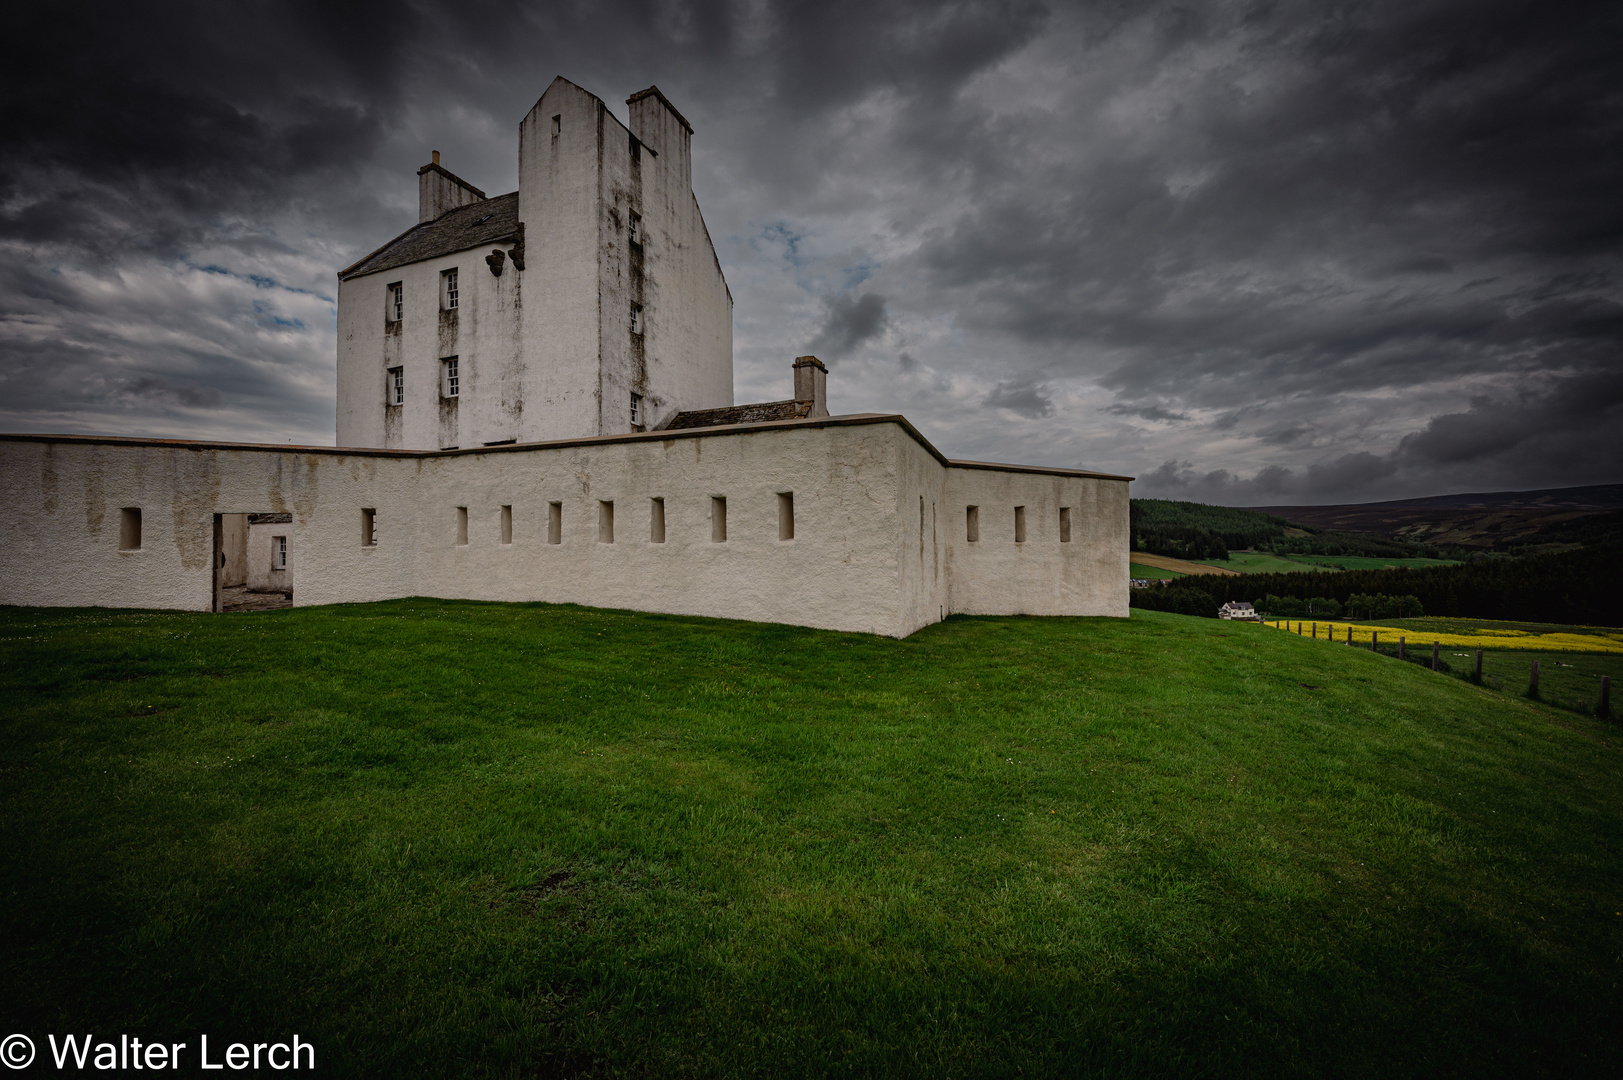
[(588, 302)]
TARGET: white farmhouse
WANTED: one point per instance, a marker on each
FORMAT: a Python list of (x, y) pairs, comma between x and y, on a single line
[(535, 404)]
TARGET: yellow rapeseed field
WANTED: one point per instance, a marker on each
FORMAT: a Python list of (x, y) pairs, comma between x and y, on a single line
[(1598, 640)]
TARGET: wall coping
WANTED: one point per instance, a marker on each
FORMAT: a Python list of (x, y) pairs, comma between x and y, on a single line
[(849, 420)]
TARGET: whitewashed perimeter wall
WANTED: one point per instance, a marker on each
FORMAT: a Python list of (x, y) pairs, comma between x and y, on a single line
[(1042, 576), (854, 563)]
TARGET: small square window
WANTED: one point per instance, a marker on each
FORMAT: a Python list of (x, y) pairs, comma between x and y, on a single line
[(396, 390), (450, 377), (636, 410), (394, 302), (636, 318), (279, 553), (448, 290), (634, 233)]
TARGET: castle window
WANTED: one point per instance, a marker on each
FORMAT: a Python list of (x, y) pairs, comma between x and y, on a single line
[(636, 318), (555, 523), (786, 515), (605, 522), (369, 528), (450, 377), (394, 302), (972, 523), (462, 526), (129, 529), (557, 125), (656, 521), (507, 525), (1065, 524), (448, 289), (636, 410), (718, 520), (1019, 524), (634, 233), (397, 386), (279, 553)]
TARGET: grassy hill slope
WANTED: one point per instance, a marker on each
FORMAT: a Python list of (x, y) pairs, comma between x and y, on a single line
[(457, 839)]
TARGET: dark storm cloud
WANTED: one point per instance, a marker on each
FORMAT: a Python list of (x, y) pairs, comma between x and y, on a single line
[(1031, 400), (1148, 412), (1290, 251), (848, 322)]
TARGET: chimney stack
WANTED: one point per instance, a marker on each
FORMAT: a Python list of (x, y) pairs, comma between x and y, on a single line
[(439, 190), (811, 386)]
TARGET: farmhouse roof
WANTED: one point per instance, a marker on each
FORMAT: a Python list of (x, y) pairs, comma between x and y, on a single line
[(489, 221)]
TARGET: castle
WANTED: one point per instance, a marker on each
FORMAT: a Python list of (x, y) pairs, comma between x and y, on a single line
[(535, 403)]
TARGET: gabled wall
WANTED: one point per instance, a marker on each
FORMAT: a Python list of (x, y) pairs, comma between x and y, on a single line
[(482, 332)]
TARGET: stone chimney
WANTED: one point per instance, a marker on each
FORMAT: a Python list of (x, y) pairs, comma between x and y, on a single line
[(658, 126), (439, 190), (811, 386)]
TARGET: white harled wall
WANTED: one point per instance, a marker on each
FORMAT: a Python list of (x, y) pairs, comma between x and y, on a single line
[(547, 352), (858, 561)]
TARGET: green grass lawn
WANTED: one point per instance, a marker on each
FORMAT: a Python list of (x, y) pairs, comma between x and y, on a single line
[(1153, 573), (1568, 680), (457, 839)]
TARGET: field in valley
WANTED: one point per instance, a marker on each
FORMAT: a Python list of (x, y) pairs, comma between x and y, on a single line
[(1262, 562), (443, 838), (1152, 573)]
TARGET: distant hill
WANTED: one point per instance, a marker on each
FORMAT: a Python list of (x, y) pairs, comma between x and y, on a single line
[(1186, 530), (1493, 520)]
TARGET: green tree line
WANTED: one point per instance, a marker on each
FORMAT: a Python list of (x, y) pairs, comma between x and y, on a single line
[(1580, 586)]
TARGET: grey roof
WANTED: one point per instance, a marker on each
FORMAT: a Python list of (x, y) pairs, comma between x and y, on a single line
[(489, 221), (738, 414)]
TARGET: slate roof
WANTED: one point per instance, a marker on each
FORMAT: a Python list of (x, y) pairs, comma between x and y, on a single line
[(488, 222), (739, 414)]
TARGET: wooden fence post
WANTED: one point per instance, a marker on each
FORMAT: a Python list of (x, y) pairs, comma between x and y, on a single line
[(1315, 631), (1532, 681), (1349, 635), (1477, 677), (1436, 653), (1374, 641), (1605, 709), (1400, 647)]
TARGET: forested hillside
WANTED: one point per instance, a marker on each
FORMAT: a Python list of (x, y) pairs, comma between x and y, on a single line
[(1188, 530)]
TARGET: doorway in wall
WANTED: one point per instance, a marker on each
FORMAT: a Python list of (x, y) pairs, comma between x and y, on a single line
[(253, 562)]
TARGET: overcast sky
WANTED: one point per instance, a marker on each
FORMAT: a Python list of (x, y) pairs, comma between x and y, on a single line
[(1250, 253)]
